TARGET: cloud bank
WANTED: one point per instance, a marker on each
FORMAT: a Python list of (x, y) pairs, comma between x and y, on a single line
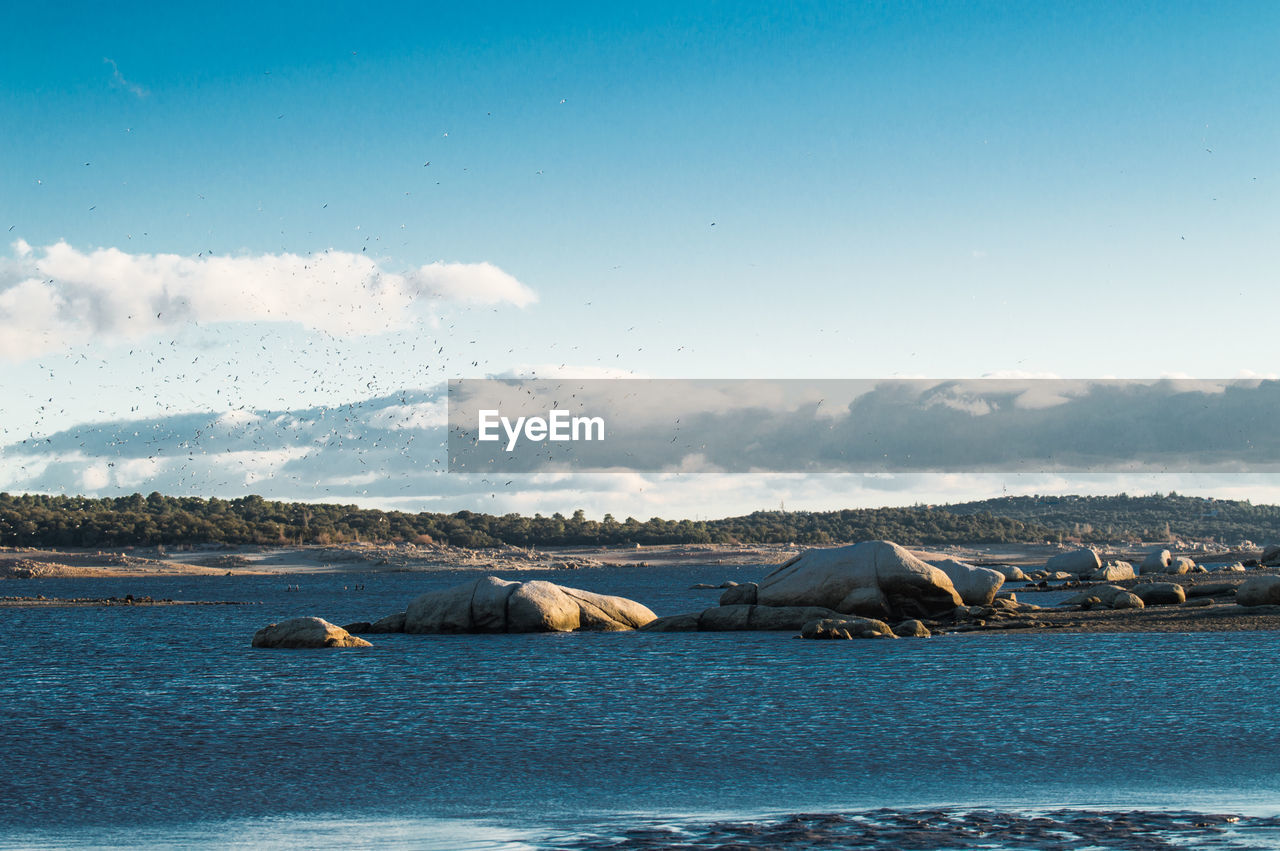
[(57, 295), (388, 452)]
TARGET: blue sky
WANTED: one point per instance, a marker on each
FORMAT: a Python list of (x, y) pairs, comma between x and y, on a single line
[(692, 190)]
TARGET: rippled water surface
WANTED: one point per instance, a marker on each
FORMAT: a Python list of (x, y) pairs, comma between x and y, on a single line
[(135, 725)]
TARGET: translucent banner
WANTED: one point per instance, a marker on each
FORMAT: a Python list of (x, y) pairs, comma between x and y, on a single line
[(864, 425)]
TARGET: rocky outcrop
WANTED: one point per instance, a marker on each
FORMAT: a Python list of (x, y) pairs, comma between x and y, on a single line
[(847, 627), (876, 579), (495, 605), (736, 618), (1080, 562), (1160, 593), (1259, 591), (977, 586), (1155, 562), (306, 633)]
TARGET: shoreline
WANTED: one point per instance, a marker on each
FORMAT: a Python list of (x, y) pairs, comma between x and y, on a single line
[(98, 602), (1207, 609), (126, 562)]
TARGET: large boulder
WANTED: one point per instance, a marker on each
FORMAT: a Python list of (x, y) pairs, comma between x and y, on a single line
[(306, 633), (875, 579), (1259, 591), (490, 604), (1126, 600), (1011, 573), (1155, 562), (1181, 565), (1270, 555), (977, 586), (1160, 593), (1113, 571), (1079, 562)]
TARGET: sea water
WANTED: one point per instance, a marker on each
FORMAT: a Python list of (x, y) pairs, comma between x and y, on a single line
[(160, 725)]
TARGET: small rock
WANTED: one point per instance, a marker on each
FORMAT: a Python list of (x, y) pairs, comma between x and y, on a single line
[(306, 633), (847, 627), (911, 629), (1126, 600)]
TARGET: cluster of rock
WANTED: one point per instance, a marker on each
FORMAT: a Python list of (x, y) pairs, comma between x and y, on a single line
[(1162, 561), (856, 591), (1082, 565), (488, 604), (1086, 564), (1115, 597), (875, 589)]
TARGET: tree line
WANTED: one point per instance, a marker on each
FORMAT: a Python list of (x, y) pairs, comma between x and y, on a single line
[(36, 520)]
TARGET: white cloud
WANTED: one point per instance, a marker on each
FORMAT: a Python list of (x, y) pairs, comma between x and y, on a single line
[(420, 415), (475, 283), (118, 80), (55, 296)]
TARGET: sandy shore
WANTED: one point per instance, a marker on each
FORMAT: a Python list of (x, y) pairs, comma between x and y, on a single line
[(98, 602), (25, 563)]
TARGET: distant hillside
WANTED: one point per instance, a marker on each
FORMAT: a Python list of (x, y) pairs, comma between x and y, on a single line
[(1149, 518), (62, 521)]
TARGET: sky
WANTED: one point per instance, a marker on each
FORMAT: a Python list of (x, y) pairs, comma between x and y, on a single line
[(235, 213)]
